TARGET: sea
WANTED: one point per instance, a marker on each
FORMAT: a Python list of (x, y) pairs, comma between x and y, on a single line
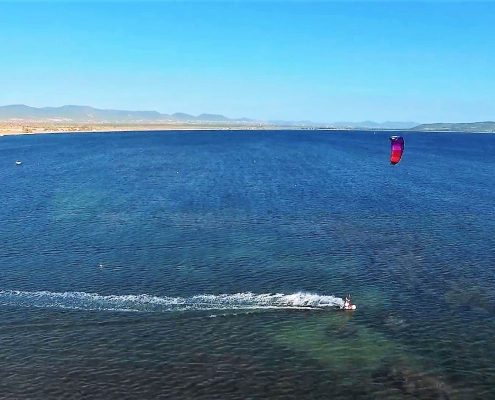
[(211, 264)]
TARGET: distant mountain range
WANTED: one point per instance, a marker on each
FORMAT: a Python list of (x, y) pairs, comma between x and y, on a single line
[(89, 115), (86, 114)]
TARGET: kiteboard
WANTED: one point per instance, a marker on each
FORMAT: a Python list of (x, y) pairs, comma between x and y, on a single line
[(351, 307)]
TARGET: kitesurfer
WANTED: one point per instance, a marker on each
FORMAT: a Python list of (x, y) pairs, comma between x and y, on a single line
[(347, 302)]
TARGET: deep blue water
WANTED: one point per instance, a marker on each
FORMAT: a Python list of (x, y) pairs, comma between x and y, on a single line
[(175, 264)]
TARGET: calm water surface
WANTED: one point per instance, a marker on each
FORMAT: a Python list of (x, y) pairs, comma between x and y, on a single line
[(207, 265)]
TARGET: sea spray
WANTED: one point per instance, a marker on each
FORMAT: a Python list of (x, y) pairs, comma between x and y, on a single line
[(149, 303)]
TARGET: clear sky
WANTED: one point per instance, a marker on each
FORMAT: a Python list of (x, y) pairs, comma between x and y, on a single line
[(323, 61)]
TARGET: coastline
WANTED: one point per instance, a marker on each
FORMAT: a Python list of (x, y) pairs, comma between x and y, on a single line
[(40, 128), (9, 129)]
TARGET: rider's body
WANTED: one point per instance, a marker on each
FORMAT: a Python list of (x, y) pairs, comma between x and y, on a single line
[(347, 301)]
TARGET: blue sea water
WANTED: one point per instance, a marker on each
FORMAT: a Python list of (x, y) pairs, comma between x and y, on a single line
[(207, 265)]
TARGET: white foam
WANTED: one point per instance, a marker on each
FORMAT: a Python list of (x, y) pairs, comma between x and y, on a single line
[(149, 303)]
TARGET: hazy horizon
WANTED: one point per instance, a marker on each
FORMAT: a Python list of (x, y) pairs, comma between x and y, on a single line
[(319, 61)]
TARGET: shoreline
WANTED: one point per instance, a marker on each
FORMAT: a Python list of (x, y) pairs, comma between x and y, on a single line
[(9, 129), (38, 129)]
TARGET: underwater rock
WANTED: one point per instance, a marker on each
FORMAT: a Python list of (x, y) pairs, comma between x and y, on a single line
[(411, 383), (395, 323), (345, 331)]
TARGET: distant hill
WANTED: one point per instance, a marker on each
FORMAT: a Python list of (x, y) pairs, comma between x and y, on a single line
[(183, 117), (212, 117), (473, 127), (84, 114), (77, 114)]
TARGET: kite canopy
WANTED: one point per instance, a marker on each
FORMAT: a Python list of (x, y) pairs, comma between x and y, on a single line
[(397, 144)]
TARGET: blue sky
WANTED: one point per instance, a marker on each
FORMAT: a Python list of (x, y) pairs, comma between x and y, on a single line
[(323, 61)]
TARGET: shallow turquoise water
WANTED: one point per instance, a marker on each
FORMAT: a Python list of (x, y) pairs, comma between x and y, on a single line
[(175, 265)]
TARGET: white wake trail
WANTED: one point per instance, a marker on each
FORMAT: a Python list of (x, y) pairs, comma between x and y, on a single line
[(149, 303)]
